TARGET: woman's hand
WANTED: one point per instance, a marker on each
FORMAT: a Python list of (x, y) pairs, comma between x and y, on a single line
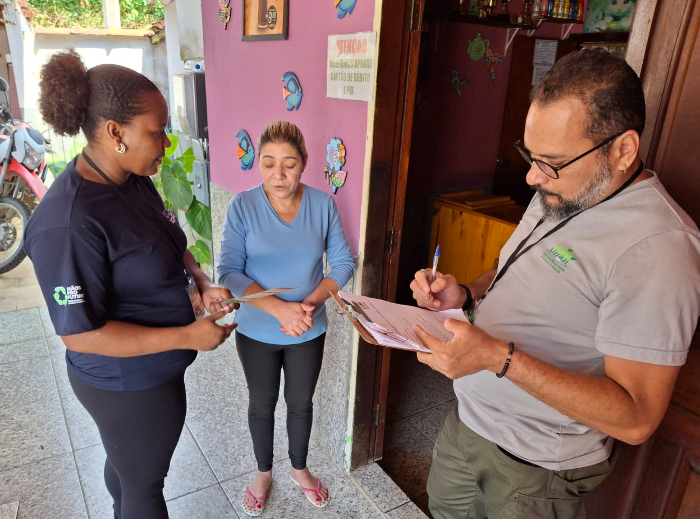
[(212, 293), (295, 318), (205, 334)]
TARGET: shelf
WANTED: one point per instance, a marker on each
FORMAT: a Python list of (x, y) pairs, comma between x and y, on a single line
[(475, 20), (558, 20), (492, 22), (600, 37)]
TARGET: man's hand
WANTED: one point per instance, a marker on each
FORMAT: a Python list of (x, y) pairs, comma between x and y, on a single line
[(443, 294), (470, 350), (628, 402)]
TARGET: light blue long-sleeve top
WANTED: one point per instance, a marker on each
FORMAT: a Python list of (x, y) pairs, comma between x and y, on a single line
[(259, 247)]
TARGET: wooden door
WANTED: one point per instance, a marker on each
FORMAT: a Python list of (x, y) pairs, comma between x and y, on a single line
[(661, 479), (397, 70), (511, 169)]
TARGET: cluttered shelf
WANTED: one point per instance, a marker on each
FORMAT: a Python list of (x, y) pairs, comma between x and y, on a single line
[(494, 21)]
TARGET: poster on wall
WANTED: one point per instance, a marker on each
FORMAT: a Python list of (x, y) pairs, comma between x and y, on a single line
[(351, 66), (265, 19)]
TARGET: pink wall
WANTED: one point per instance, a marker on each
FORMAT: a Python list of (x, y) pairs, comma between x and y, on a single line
[(244, 91), (461, 134)]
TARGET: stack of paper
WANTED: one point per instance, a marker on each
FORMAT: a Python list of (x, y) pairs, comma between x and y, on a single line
[(391, 324)]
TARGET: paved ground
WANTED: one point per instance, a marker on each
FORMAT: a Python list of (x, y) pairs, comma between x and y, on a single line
[(19, 289), (51, 456)]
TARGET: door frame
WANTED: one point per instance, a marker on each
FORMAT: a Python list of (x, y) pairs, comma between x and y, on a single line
[(399, 42)]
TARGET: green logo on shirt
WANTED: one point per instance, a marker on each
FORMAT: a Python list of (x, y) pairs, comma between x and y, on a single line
[(558, 258), (59, 294), (68, 296)]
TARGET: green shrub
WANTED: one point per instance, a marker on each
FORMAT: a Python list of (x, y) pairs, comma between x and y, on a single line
[(135, 14)]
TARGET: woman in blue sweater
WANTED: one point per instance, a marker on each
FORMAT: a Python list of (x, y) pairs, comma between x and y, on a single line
[(274, 236)]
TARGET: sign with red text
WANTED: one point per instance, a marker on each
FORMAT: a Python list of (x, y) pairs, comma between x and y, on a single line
[(351, 66)]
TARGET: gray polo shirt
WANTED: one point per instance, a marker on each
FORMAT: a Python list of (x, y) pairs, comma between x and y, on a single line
[(621, 279)]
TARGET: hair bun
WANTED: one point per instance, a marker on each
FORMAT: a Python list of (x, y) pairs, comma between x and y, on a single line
[(64, 97)]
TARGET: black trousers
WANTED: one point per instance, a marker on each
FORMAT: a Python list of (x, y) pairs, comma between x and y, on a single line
[(262, 364), (139, 431)]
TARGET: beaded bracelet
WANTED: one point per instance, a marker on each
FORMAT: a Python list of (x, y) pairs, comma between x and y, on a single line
[(505, 366), (467, 306)]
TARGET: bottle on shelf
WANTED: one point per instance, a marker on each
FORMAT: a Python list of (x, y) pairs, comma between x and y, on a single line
[(580, 11), (555, 13), (565, 8), (550, 8)]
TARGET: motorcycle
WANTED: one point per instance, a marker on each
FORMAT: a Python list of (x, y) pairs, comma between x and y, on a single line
[(24, 169)]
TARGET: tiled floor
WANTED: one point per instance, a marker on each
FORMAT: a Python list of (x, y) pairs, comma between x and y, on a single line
[(19, 288), (51, 457), (419, 400)]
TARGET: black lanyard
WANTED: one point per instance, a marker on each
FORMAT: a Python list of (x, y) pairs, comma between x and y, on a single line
[(170, 239), (517, 252)]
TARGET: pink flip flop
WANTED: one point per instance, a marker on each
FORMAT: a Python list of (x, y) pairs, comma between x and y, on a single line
[(259, 503), (316, 500)]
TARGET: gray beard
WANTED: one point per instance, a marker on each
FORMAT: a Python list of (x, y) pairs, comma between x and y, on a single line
[(591, 195)]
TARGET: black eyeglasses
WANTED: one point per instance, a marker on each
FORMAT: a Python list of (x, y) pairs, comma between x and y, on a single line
[(553, 171)]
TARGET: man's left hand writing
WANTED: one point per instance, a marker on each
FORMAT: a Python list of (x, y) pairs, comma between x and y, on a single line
[(470, 350)]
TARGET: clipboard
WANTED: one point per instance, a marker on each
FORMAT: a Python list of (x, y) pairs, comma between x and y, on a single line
[(347, 310), (350, 315)]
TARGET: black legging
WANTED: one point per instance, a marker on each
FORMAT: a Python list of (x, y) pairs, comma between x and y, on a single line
[(139, 431), (262, 363)]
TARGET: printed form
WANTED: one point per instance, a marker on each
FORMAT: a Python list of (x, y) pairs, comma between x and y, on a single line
[(391, 324)]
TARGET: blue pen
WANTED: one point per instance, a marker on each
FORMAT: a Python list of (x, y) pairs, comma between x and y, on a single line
[(435, 264)]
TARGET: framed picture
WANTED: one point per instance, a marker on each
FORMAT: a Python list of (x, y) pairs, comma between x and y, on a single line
[(265, 19)]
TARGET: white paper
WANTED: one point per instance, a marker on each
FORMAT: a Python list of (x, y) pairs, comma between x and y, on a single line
[(391, 324), (351, 66), (545, 52), (538, 72)]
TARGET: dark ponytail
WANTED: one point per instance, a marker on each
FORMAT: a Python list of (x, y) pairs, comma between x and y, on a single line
[(74, 98)]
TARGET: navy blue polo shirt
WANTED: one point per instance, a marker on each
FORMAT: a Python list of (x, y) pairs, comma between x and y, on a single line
[(97, 260)]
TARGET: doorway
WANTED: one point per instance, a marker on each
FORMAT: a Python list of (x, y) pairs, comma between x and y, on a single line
[(463, 121)]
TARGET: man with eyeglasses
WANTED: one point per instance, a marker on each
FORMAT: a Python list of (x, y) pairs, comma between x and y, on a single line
[(587, 321)]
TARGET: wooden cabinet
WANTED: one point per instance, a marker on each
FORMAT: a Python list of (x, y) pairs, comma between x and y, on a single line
[(471, 228)]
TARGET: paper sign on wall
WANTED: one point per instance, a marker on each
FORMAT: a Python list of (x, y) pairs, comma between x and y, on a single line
[(545, 52), (351, 66), (538, 72)]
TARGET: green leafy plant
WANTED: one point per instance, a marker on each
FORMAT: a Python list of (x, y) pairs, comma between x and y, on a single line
[(61, 156), (175, 187), (134, 14)]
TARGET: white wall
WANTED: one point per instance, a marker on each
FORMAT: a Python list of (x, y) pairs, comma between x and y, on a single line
[(172, 43), (189, 16), (134, 52), (14, 37)]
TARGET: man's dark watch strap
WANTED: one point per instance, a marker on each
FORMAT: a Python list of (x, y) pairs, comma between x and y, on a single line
[(469, 303)]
